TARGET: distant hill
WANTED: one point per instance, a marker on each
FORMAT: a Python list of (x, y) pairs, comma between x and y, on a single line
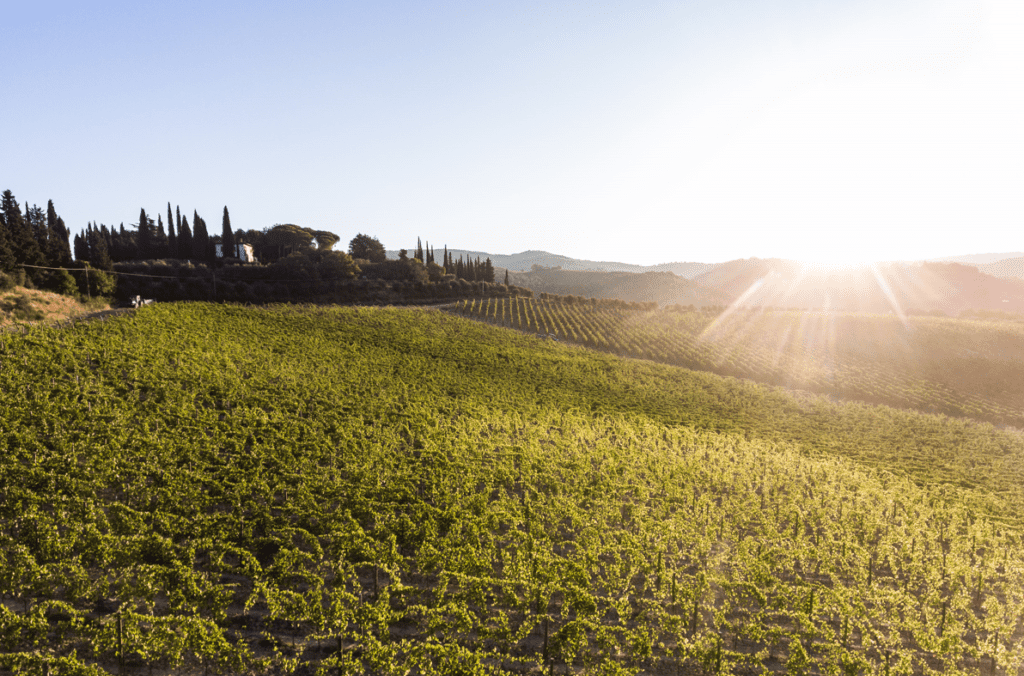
[(1009, 268), (523, 262), (527, 259), (946, 287), (688, 270), (664, 288), (978, 259), (993, 281)]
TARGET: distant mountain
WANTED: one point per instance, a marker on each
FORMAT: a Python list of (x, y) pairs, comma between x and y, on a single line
[(1009, 268), (946, 287), (664, 288), (527, 259), (978, 259), (688, 270), (977, 281), (522, 262)]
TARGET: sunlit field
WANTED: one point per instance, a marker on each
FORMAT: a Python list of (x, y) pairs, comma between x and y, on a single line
[(957, 367), (212, 489)]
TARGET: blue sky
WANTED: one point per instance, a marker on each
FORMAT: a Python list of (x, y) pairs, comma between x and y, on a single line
[(643, 132)]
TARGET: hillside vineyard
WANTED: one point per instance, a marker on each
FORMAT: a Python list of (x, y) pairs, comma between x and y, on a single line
[(201, 488), (956, 367)]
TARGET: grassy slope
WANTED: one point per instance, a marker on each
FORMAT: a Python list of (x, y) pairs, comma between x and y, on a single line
[(43, 306), (212, 457), (661, 287)]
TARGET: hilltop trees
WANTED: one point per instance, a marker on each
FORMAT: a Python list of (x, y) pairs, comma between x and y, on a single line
[(20, 234), (367, 248), (7, 260), (184, 238), (35, 238), (284, 239), (172, 237), (227, 237), (200, 238), (39, 241), (58, 247), (325, 240), (144, 240)]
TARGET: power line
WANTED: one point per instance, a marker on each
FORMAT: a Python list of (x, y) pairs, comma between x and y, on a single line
[(180, 278)]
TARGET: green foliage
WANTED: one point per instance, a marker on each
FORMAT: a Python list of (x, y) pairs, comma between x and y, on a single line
[(95, 282), (317, 264), (20, 307), (62, 282), (435, 273), (325, 240), (282, 240), (367, 248), (227, 236), (937, 365), (798, 663), (285, 490), (8, 280), (407, 269)]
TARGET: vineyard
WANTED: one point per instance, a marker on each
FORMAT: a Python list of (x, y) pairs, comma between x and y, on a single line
[(961, 368), (211, 489)]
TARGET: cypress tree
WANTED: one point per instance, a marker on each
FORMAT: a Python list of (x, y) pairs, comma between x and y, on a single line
[(6, 250), (36, 220), (46, 238), (144, 242), (200, 238), (159, 239), (61, 246), (184, 239), (58, 249), (19, 234), (227, 237), (99, 257), (419, 250), (81, 249), (172, 237)]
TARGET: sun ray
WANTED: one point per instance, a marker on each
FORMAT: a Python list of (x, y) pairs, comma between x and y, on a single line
[(887, 290), (719, 321)]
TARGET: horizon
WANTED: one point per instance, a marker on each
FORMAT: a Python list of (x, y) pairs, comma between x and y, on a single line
[(707, 131), (855, 264)]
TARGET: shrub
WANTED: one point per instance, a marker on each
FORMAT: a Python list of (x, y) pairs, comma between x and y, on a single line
[(23, 309), (6, 281), (61, 281), (100, 283)]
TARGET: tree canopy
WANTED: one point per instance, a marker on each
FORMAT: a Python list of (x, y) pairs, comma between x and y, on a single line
[(367, 248)]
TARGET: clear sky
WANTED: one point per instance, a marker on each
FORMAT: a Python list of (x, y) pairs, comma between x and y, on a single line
[(642, 132)]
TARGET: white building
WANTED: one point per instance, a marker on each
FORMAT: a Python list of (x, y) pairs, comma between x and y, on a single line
[(242, 251)]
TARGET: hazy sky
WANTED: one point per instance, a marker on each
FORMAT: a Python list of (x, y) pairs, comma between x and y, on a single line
[(642, 132)]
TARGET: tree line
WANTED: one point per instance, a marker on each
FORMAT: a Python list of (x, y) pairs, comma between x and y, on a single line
[(103, 246), (175, 258), (35, 238)]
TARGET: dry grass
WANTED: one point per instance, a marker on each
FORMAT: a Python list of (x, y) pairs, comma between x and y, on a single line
[(20, 307)]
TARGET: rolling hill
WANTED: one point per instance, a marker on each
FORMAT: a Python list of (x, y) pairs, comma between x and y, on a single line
[(1008, 268), (663, 288), (206, 488), (949, 288)]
